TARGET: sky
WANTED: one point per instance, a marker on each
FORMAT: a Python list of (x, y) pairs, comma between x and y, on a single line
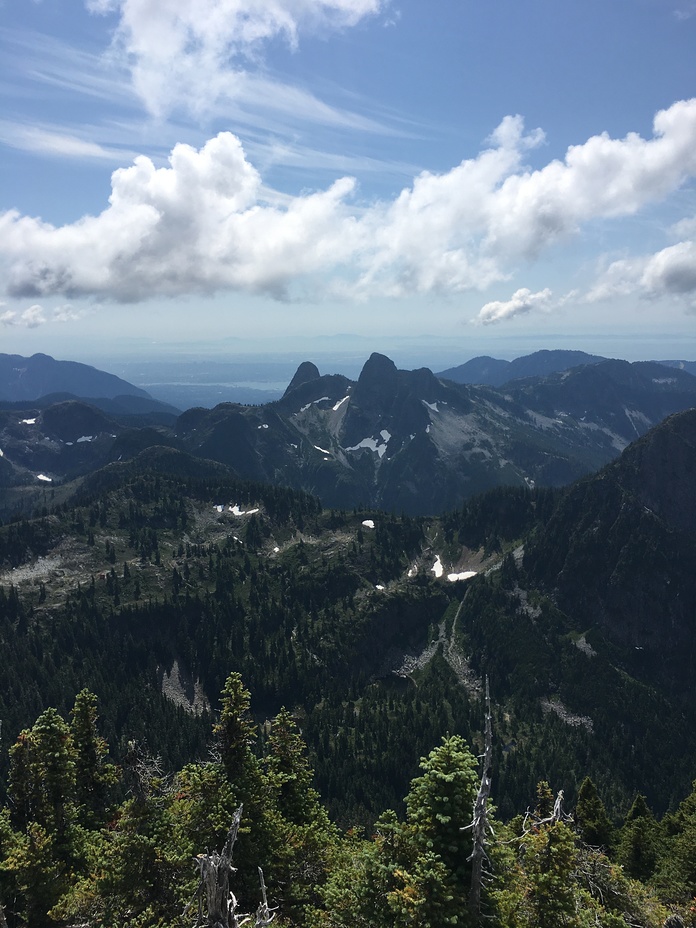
[(489, 173)]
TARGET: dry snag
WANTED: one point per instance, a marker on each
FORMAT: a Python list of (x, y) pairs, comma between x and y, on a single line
[(214, 894)]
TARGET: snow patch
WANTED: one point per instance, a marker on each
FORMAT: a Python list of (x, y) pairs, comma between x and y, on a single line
[(85, 438), (29, 421), (462, 575), (412, 571), (437, 567), (379, 586), (369, 523), (321, 399), (220, 508), (2, 453), (373, 444), (432, 406), (323, 451), (264, 426), (340, 403), (236, 511), (45, 478)]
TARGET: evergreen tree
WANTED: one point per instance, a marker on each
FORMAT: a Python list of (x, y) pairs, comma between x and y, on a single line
[(640, 841), (93, 776), (235, 731), (591, 817)]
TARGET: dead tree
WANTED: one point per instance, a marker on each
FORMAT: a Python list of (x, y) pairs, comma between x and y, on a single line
[(264, 915), (214, 893), (480, 825), (141, 771)]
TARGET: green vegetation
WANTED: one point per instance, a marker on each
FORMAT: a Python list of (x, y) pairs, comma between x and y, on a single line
[(85, 842), (349, 718)]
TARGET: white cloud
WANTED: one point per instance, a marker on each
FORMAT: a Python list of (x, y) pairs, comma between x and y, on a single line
[(670, 272), (66, 313), (49, 141), (190, 53), (522, 301), (207, 223), (31, 318)]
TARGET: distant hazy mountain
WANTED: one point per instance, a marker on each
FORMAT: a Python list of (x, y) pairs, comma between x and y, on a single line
[(30, 378), (688, 366), (495, 372)]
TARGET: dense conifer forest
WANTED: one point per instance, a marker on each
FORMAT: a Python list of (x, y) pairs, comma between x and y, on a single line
[(350, 722)]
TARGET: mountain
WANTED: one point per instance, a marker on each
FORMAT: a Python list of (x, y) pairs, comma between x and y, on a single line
[(406, 441), (163, 573), (401, 441), (495, 373), (30, 378), (45, 443), (688, 366), (619, 553)]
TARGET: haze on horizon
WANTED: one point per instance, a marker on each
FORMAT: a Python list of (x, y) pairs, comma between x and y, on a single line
[(228, 175)]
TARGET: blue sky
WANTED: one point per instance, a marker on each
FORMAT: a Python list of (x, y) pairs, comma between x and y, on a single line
[(192, 170)]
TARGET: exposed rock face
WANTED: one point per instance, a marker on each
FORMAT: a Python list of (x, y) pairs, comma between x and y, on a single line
[(407, 441), (404, 441), (306, 372)]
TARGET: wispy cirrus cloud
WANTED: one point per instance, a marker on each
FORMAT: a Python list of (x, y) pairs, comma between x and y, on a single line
[(189, 54), (50, 140), (206, 223)]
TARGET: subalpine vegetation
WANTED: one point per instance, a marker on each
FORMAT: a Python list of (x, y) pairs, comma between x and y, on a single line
[(356, 759), (85, 841)]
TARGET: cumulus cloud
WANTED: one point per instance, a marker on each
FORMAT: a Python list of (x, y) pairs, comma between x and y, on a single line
[(522, 301), (66, 314), (30, 318), (202, 45), (206, 222), (670, 272)]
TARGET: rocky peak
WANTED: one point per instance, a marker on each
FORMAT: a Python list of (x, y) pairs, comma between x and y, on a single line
[(306, 372), (378, 379)]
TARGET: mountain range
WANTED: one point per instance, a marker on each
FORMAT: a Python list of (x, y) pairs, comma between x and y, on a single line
[(402, 441), (161, 573)]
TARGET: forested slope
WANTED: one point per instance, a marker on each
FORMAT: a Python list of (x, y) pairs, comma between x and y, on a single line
[(160, 578)]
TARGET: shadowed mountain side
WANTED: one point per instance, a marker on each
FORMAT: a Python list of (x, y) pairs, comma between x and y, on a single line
[(407, 441), (30, 378), (495, 372), (619, 554)]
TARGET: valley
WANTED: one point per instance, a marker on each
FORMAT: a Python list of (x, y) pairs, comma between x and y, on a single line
[(152, 575)]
